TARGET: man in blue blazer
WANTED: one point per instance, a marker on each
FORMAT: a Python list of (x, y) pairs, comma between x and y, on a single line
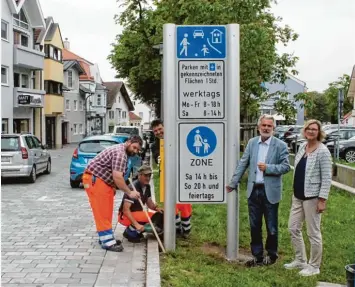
[(267, 159)]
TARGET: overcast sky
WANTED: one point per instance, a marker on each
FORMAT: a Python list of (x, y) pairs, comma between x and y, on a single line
[(326, 45)]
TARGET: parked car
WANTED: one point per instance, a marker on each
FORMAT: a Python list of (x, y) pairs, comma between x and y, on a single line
[(134, 162), (346, 150), (333, 127), (150, 135), (23, 155), (292, 130), (331, 136), (127, 130), (280, 131), (89, 147)]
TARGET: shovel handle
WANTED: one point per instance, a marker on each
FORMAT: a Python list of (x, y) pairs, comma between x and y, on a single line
[(150, 221)]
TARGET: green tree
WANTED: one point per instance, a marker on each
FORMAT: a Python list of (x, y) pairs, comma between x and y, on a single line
[(135, 59), (331, 98), (317, 108)]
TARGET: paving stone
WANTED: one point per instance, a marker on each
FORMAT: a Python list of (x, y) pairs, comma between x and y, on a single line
[(52, 270), (47, 265), (22, 280), (90, 270), (14, 275), (67, 280), (37, 275), (5, 280), (71, 269), (88, 281), (11, 269)]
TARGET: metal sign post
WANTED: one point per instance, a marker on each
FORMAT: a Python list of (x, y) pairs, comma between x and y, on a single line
[(170, 146), (233, 138), (201, 97)]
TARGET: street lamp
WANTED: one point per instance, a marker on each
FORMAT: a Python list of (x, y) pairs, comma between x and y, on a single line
[(160, 48)]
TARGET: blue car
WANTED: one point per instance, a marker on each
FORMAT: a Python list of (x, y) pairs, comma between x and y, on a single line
[(87, 149), (134, 162)]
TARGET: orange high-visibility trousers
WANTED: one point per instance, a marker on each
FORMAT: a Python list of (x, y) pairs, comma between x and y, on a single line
[(139, 216), (101, 198), (185, 209), (182, 221)]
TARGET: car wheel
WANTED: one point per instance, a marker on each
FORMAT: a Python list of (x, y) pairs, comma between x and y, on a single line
[(350, 155), (49, 167), (33, 176), (74, 184)]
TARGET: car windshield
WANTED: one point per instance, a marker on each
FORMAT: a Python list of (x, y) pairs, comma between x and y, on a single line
[(10, 143), (127, 130), (95, 146), (327, 132), (282, 129)]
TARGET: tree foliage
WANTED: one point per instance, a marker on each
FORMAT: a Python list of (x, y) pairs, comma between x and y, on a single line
[(135, 59), (324, 106)]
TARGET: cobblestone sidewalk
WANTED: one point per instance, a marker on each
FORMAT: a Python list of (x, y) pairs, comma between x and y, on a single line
[(48, 236)]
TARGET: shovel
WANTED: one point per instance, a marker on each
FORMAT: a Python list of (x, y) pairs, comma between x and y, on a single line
[(150, 222)]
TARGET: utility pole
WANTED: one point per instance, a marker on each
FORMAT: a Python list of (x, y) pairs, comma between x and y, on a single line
[(340, 112)]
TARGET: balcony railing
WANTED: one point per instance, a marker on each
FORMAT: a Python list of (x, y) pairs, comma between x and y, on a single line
[(20, 23)]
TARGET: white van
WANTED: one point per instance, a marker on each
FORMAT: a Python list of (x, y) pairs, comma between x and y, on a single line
[(130, 130)]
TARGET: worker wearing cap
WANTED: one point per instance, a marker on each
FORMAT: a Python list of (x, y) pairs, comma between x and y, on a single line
[(102, 176), (131, 213), (183, 211)]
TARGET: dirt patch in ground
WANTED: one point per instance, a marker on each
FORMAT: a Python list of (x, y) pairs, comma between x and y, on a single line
[(215, 250)]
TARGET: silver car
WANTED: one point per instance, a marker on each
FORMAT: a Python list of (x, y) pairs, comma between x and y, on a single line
[(23, 155)]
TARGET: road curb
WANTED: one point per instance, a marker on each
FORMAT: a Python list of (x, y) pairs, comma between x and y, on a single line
[(153, 261)]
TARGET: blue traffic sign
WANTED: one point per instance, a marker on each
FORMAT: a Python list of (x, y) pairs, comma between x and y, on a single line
[(195, 42), (201, 141)]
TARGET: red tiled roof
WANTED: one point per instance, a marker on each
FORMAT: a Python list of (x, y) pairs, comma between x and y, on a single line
[(67, 55), (134, 117)]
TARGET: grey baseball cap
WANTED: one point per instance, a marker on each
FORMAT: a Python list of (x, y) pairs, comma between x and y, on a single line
[(145, 169)]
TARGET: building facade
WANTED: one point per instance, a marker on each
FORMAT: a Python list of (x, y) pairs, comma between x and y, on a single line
[(135, 120), (119, 105), (94, 92), (73, 125), (292, 86), (53, 83), (145, 112), (22, 63)]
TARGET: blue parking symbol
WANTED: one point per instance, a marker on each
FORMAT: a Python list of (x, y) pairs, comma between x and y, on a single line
[(212, 67), (201, 141)]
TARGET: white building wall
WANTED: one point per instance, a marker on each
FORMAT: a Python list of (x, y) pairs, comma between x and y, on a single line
[(7, 96), (145, 112)]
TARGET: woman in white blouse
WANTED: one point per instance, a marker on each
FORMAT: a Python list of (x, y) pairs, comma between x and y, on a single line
[(312, 182)]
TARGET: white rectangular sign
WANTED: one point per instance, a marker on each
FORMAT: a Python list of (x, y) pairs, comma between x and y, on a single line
[(201, 89), (201, 163)]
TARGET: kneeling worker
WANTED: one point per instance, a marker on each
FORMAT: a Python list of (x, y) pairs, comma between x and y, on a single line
[(131, 213)]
